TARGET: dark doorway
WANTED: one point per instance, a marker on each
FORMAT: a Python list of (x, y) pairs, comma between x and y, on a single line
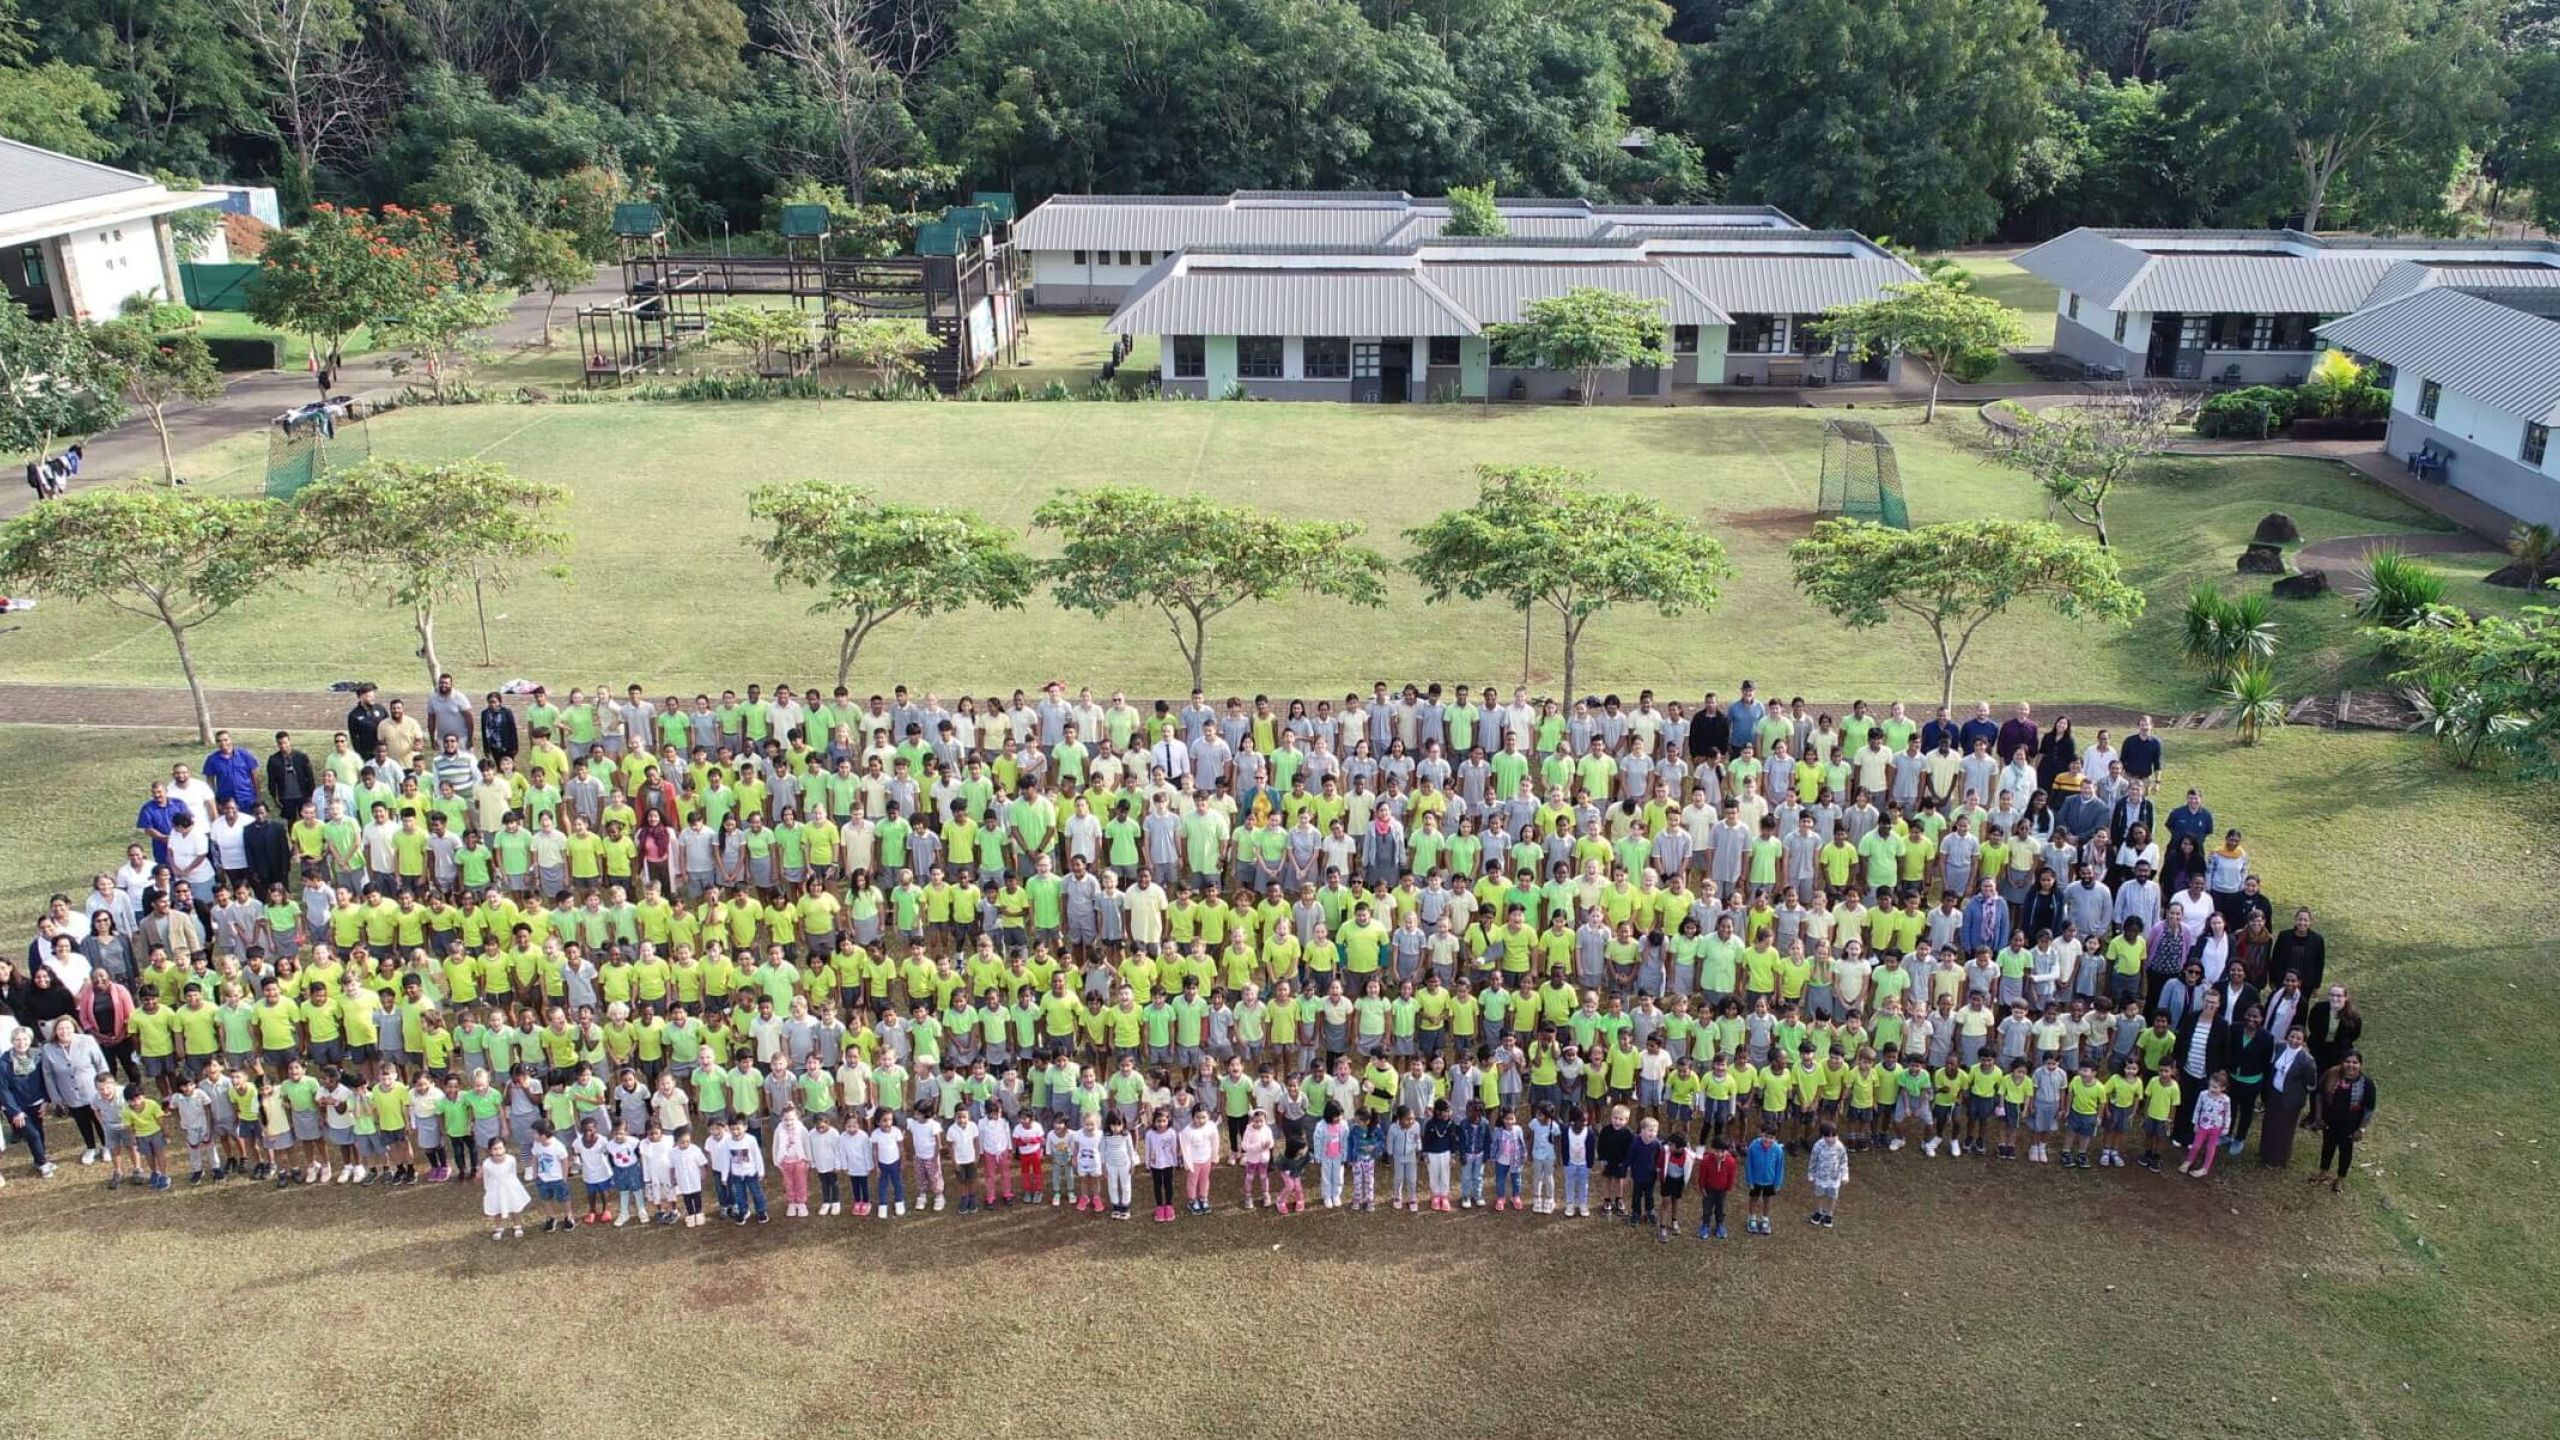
[(1644, 380), (1395, 371), (2160, 362)]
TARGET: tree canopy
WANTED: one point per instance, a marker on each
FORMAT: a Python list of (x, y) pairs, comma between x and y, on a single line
[(1543, 538), (176, 557), (1587, 331), (1933, 319), (1191, 559), (873, 560), (420, 536), (1956, 577)]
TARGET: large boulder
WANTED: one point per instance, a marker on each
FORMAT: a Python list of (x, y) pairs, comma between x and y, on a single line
[(2262, 560), (2277, 529), (2303, 586)]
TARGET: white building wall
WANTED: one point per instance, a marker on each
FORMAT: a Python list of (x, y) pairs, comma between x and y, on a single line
[(110, 264), (1059, 278)]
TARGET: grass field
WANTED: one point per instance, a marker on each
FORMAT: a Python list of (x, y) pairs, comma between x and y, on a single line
[(661, 587), (1999, 277), (1954, 1299)]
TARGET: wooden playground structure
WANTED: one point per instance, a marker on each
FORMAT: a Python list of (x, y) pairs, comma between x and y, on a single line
[(963, 283)]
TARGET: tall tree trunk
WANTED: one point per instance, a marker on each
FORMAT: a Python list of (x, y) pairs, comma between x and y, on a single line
[(168, 460), (1572, 643), (550, 298), (195, 686), (425, 620), (480, 605), (1528, 635), (1946, 669), (1937, 374), (846, 647), (1199, 653)]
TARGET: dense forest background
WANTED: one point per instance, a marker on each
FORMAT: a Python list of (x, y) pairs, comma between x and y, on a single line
[(1935, 122)]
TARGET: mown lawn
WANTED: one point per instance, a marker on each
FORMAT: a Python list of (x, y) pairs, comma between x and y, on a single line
[(1998, 276), (1953, 1299), (661, 586)]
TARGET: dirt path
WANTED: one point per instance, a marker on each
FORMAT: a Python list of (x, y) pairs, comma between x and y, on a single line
[(2345, 552)]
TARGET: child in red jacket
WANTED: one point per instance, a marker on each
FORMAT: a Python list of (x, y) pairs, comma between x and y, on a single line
[(1714, 1169)]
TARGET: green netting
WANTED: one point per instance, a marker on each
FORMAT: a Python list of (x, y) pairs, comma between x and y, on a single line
[(638, 220), (938, 237), (1861, 476), (303, 451), (805, 222), (997, 203)]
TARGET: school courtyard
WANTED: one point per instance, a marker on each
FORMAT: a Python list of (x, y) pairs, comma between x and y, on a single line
[(1978, 1298)]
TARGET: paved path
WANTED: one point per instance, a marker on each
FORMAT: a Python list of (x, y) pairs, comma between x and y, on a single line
[(2342, 553), (251, 401)]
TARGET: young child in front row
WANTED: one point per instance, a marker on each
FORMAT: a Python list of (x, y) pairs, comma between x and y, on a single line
[(1764, 1169), (2212, 1117), (1828, 1170)]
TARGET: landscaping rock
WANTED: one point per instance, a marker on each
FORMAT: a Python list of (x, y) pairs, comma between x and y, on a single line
[(2303, 586), (2261, 559), (2277, 529)]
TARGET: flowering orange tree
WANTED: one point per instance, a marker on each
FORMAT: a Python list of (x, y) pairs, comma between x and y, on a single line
[(343, 269)]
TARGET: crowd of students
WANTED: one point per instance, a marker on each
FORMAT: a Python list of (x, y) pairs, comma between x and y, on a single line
[(890, 956)]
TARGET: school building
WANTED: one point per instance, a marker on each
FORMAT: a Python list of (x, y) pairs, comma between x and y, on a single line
[(78, 238)]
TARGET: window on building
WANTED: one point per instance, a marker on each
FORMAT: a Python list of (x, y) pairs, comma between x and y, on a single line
[(2293, 332), (2537, 441), (1258, 357), (2195, 332), (2121, 318), (2071, 306), (1081, 257), (2262, 332), (1756, 335), (2429, 395), (1124, 257), (1444, 350), (1190, 357), (2377, 373), (1364, 360), (1684, 339), (1326, 357), (1804, 333), (1146, 257)]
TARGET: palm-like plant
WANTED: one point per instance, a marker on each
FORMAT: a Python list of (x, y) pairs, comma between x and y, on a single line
[(2460, 719), (2256, 708), (2537, 551), (2223, 633), (2396, 591)]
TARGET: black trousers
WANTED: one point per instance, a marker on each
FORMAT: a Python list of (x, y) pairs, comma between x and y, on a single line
[(2339, 1145), (1163, 1177)]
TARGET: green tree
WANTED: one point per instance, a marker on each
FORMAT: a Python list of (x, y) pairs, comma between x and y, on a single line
[(319, 82), (873, 560), (2528, 155), (420, 536), (1542, 538), (177, 557), (340, 270), (891, 350), (1956, 577), (2485, 685), (51, 102), (1896, 115), (55, 382), (1192, 559), (1472, 212), (1937, 322), (646, 53), (772, 334), (2290, 101), (155, 371), (535, 257), (2079, 454), (439, 332), (1586, 330)]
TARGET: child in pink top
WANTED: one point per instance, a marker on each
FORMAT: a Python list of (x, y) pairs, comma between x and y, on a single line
[(1254, 1149)]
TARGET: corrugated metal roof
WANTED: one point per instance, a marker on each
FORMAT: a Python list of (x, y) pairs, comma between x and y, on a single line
[(35, 179), (1499, 291), (1179, 225), (2087, 263), (2407, 277), (2485, 352), (1175, 299), (1786, 284), (2255, 284)]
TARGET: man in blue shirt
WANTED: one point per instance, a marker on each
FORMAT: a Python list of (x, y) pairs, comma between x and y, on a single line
[(232, 772), (158, 816), (1742, 717), (1981, 727), (2191, 820)]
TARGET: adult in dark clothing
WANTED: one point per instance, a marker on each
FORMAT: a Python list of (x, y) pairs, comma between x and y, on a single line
[(499, 739), (2191, 821), (290, 782), (1942, 727), (364, 724), (268, 844), (2251, 1060), (2333, 1026), (2347, 1102), (1980, 727), (2018, 733), (2301, 950), (2056, 751), (2043, 912), (2140, 753), (2133, 809), (2237, 995), (22, 1095), (2293, 1077), (2205, 1043)]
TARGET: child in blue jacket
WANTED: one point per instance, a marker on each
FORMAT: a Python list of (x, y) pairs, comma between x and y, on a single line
[(1764, 1169)]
